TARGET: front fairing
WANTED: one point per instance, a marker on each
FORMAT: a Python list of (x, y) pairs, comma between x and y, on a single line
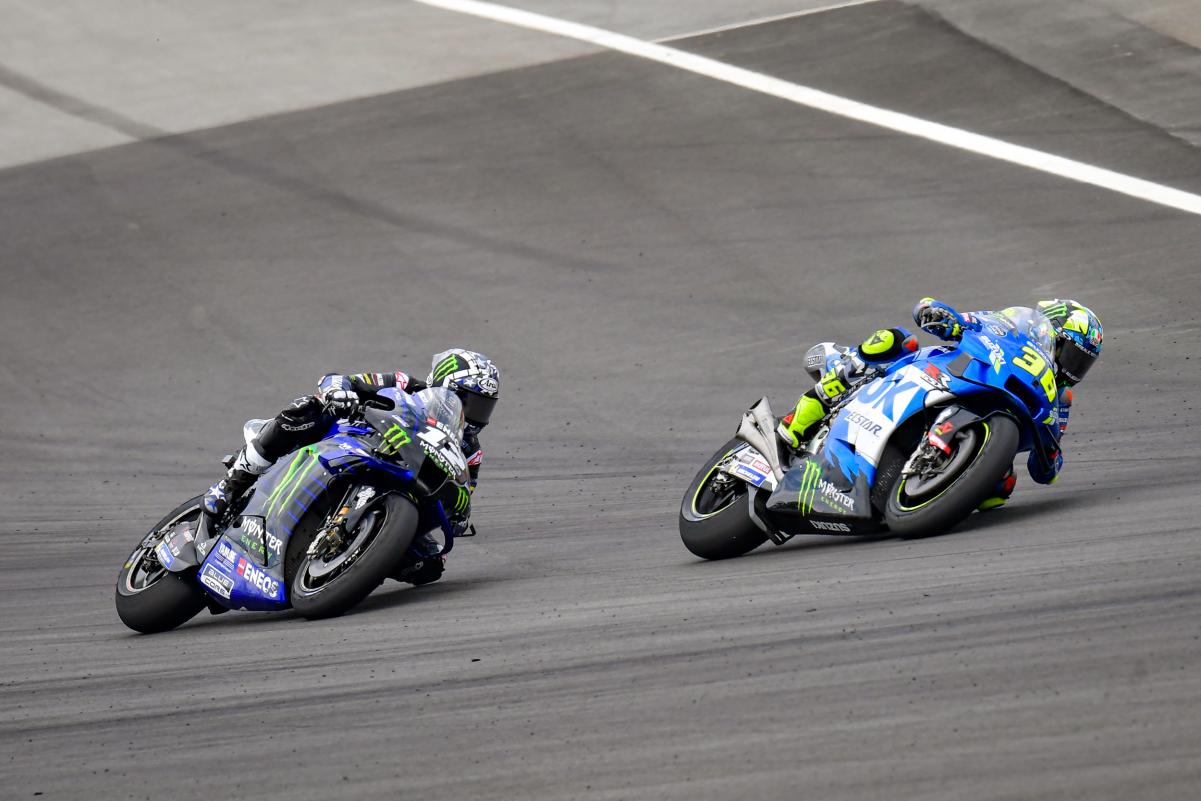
[(245, 568), (1000, 359)]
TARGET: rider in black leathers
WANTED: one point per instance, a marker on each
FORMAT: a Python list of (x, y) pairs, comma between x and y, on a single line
[(472, 376)]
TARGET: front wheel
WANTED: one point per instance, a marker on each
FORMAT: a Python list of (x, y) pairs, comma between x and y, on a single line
[(333, 582), (947, 492), (149, 597), (715, 521)]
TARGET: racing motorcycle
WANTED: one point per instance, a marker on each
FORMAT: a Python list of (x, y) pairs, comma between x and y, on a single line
[(317, 532), (914, 448)]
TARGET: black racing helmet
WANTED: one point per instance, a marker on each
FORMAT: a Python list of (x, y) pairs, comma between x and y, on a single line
[(473, 377), (1078, 337)]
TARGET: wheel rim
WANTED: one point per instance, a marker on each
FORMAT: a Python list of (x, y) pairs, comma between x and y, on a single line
[(316, 573), (914, 494), (716, 493), (144, 569)]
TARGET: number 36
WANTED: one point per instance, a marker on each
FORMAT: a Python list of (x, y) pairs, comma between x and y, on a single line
[(1035, 365)]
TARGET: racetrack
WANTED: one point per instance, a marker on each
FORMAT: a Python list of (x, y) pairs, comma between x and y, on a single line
[(645, 252)]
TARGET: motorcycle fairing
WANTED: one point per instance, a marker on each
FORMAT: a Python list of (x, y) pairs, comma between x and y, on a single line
[(248, 560), (807, 501), (862, 428)]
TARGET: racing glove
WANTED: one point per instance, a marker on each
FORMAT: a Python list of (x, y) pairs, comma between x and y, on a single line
[(337, 395), (937, 321)]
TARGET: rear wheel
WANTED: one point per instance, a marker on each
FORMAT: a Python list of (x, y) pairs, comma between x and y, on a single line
[(336, 579), (715, 521), (149, 597), (940, 496)]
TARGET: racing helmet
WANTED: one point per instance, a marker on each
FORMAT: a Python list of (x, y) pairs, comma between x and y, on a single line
[(473, 377), (1077, 338)]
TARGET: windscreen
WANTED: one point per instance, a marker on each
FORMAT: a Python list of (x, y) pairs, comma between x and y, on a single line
[(435, 407), (1030, 322), (444, 407)]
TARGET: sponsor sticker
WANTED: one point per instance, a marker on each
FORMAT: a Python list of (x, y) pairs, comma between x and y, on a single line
[(216, 581), (226, 555), (864, 422), (825, 525), (258, 578), (164, 555), (363, 496), (255, 533), (751, 475), (995, 355), (831, 492)]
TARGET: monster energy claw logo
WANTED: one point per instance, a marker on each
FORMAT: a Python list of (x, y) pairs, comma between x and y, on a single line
[(809, 484), (463, 499), (299, 469), (1057, 310), (445, 367), (395, 437)]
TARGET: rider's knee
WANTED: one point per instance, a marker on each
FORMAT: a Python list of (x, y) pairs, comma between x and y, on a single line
[(887, 344)]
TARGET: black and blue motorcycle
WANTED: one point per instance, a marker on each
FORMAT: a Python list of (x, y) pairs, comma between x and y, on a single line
[(319, 531)]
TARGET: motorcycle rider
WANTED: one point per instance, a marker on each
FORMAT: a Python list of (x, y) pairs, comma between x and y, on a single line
[(470, 375), (1077, 338)]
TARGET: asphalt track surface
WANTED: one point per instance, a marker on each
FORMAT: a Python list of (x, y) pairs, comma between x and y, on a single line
[(645, 252)]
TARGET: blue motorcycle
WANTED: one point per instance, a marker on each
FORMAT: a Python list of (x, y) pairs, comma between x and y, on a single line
[(318, 531), (915, 448)]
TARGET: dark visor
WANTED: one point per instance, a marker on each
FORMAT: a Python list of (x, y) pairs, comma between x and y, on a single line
[(1074, 361), (477, 409)]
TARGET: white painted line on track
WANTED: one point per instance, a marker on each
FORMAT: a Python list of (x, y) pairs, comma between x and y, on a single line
[(833, 104), (733, 26)]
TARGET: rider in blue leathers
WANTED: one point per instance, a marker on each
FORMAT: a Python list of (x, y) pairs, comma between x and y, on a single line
[(1077, 337)]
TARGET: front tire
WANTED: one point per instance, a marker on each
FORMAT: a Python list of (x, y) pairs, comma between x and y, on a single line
[(328, 588), (715, 522), (991, 445), (150, 598)]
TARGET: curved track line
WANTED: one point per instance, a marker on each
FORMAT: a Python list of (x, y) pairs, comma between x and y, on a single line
[(733, 26), (833, 104)]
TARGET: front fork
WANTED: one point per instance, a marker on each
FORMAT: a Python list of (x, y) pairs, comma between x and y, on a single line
[(331, 538), (935, 448)]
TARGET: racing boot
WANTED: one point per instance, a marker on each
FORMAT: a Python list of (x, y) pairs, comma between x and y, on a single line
[(247, 466), (1001, 492), (794, 428), (423, 563)]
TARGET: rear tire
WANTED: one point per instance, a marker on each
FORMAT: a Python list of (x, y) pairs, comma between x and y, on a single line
[(151, 600), (717, 524), (993, 458), (395, 522)]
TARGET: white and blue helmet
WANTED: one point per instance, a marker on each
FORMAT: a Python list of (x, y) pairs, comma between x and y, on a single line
[(473, 377)]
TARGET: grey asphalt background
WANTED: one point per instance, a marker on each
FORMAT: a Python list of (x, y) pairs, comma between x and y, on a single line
[(645, 252)]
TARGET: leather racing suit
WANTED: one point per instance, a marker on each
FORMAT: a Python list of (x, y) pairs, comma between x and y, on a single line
[(877, 352)]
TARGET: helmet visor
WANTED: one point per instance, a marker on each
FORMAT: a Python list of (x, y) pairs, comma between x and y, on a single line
[(477, 408), (1074, 361)]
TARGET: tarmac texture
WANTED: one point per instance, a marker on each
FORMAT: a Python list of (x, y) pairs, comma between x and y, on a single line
[(644, 252)]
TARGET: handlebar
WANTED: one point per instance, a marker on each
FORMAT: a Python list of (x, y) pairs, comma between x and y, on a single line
[(959, 319)]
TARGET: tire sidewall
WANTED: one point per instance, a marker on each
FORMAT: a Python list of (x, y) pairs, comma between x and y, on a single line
[(376, 563), (947, 509), (726, 533), (167, 603)]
